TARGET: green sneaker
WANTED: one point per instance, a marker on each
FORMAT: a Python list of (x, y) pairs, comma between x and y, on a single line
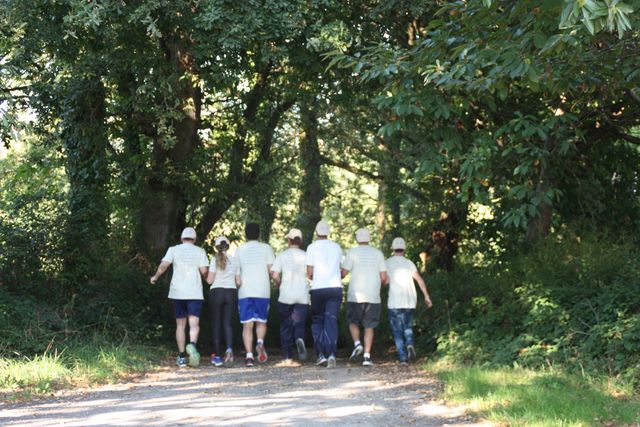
[(194, 356)]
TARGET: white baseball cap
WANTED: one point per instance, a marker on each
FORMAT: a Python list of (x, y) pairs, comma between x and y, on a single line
[(188, 233), (362, 235), (398, 243), (221, 239), (322, 228), (293, 233)]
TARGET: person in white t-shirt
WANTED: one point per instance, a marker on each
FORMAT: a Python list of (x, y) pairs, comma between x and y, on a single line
[(323, 269), (223, 301), (403, 299), (253, 270), (290, 272), (190, 266), (368, 271)]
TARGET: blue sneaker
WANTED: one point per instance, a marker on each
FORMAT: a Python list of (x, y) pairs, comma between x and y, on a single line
[(216, 360), (194, 356), (181, 361)]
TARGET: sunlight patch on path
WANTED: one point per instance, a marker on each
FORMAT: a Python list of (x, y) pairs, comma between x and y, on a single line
[(265, 395)]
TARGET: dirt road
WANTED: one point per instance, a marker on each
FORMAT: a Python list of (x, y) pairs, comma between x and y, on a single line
[(383, 395)]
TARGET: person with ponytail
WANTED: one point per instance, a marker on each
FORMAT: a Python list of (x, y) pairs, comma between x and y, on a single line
[(223, 301)]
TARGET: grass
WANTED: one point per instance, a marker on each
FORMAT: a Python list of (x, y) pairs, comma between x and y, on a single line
[(76, 366), (522, 397)]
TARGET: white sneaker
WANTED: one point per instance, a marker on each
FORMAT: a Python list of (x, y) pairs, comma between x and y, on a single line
[(367, 362), (357, 351), (302, 349), (331, 362), (321, 360), (411, 352)]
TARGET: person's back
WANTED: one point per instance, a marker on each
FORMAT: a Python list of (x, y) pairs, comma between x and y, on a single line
[(325, 256), (364, 264), (253, 260), (402, 290), (293, 287), (186, 280)]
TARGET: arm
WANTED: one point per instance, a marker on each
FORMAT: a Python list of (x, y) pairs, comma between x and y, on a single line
[(384, 279), (276, 276), (423, 287), (238, 281), (310, 272), (211, 277), (343, 272), (159, 272), (204, 271)]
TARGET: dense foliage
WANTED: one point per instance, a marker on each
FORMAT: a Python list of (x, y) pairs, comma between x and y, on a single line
[(490, 134)]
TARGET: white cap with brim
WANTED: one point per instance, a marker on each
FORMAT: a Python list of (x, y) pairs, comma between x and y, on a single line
[(322, 228), (398, 244), (188, 233), (363, 236), (221, 239), (293, 233)]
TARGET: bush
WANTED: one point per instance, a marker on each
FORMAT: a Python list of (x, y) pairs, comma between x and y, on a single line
[(571, 301)]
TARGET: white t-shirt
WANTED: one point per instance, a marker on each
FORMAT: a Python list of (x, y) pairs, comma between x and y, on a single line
[(224, 278), (186, 281), (364, 263), (402, 290), (252, 260), (294, 288), (325, 256)]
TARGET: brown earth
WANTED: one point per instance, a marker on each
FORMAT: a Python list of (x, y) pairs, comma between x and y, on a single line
[(272, 394)]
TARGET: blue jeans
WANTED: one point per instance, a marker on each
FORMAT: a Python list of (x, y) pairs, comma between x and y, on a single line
[(401, 321), (292, 322), (325, 305)]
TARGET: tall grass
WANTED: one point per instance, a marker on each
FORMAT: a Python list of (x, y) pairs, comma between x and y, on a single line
[(524, 397), (80, 365)]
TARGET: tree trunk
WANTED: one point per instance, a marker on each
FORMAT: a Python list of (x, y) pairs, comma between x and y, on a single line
[(164, 204), (540, 225), (309, 212), (85, 143), (443, 242)]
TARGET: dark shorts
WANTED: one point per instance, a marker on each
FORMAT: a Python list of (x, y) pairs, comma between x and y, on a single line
[(186, 307), (253, 309), (363, 313)]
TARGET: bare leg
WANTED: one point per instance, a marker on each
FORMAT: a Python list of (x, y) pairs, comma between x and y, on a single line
[(354, 329), (247, 336), (261, 330), (194, 328), (180, 333), (368, 339)]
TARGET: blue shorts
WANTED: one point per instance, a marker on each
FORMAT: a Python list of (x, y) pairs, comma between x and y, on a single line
[(186, 307), (253, 309)]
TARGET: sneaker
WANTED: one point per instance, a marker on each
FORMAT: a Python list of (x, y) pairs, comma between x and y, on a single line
[(262, 353), (321, 360), (228, 358), (331, 362), (404, 363), (181, 361), (248, 362), (194, 356), (411, 351), (357, 351), (367, 362), (216, 360), (302, 349)]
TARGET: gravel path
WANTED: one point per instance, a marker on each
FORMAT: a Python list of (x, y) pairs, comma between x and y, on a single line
[(383, 395)]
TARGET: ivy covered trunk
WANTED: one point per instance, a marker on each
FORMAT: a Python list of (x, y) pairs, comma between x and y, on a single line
[(85, 144), (164, 202), (312, 193)]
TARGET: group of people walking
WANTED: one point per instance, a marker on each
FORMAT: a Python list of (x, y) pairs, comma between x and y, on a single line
[(307, 281)]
